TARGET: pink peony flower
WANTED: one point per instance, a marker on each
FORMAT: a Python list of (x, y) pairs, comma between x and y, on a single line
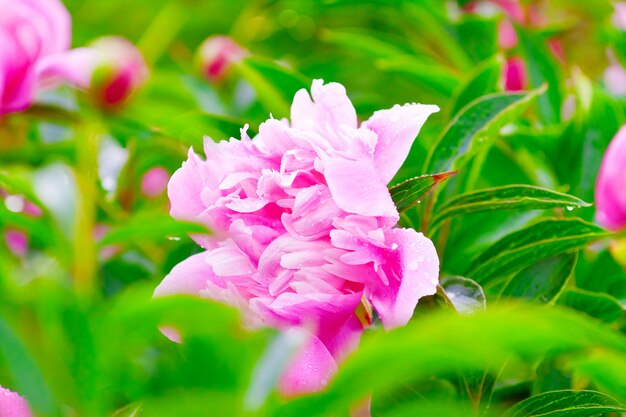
[(12, 405), (111, 69), (154, 181), (304, 227), (216, 55), (609, 195), (32, 32)]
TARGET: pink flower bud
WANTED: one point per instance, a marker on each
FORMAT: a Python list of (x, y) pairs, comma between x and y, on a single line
[(111, 69), (610, 196), (216, 54), (515, 77), (12, 405), (154, 182), (615, 79), (507, 37), (17, 242), (119, 71)]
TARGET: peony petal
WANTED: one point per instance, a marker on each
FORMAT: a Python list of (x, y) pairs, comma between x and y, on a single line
[(609, 194), (310, 370), (13, 405), (188, 277), (330, 107), (75, 67), (396, 128), (413, 272), (356, 189), (186, 187), (229, 261)]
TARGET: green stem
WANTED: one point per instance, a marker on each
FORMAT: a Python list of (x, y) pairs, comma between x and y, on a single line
[(162, 31), (86, 178)]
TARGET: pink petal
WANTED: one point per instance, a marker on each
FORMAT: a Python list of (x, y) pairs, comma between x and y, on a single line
[(396, 128), (188, 277), (413, 271), (611, 183), (186, 187), (330, 107), (75, 67), (357, 189), (309, 371), (229, 261), (13, 405)]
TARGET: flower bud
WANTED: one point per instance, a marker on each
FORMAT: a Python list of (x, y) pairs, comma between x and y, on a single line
[(118, 72), (609, 195), (515, 77), (154, 182), (216, 55)]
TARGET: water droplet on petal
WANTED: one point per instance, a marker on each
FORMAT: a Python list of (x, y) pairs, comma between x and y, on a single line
[(394, 246)]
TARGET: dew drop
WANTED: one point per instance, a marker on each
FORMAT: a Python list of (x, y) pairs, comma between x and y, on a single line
[(570, 208), (394, 246)]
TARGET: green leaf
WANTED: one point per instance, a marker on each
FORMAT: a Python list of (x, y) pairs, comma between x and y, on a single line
[(387, 360), (474, 127), (542, 281), (26, 374), (368, 43), (432, 76), (597, 305), (595, 127), (509, 197), (543, 69), (566, 403), (532, 244), (274, 84), (150, 226), (482, 80), (411, 191)]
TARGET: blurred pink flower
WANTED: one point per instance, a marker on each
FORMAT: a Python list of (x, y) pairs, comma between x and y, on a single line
[(111, 69), (515, 77), (507, 37), (16, 241), (12, 405), (154, 181), (304, 226), (216, 54), (619, 15), (615, 79), (32, 32), (609, 195)]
